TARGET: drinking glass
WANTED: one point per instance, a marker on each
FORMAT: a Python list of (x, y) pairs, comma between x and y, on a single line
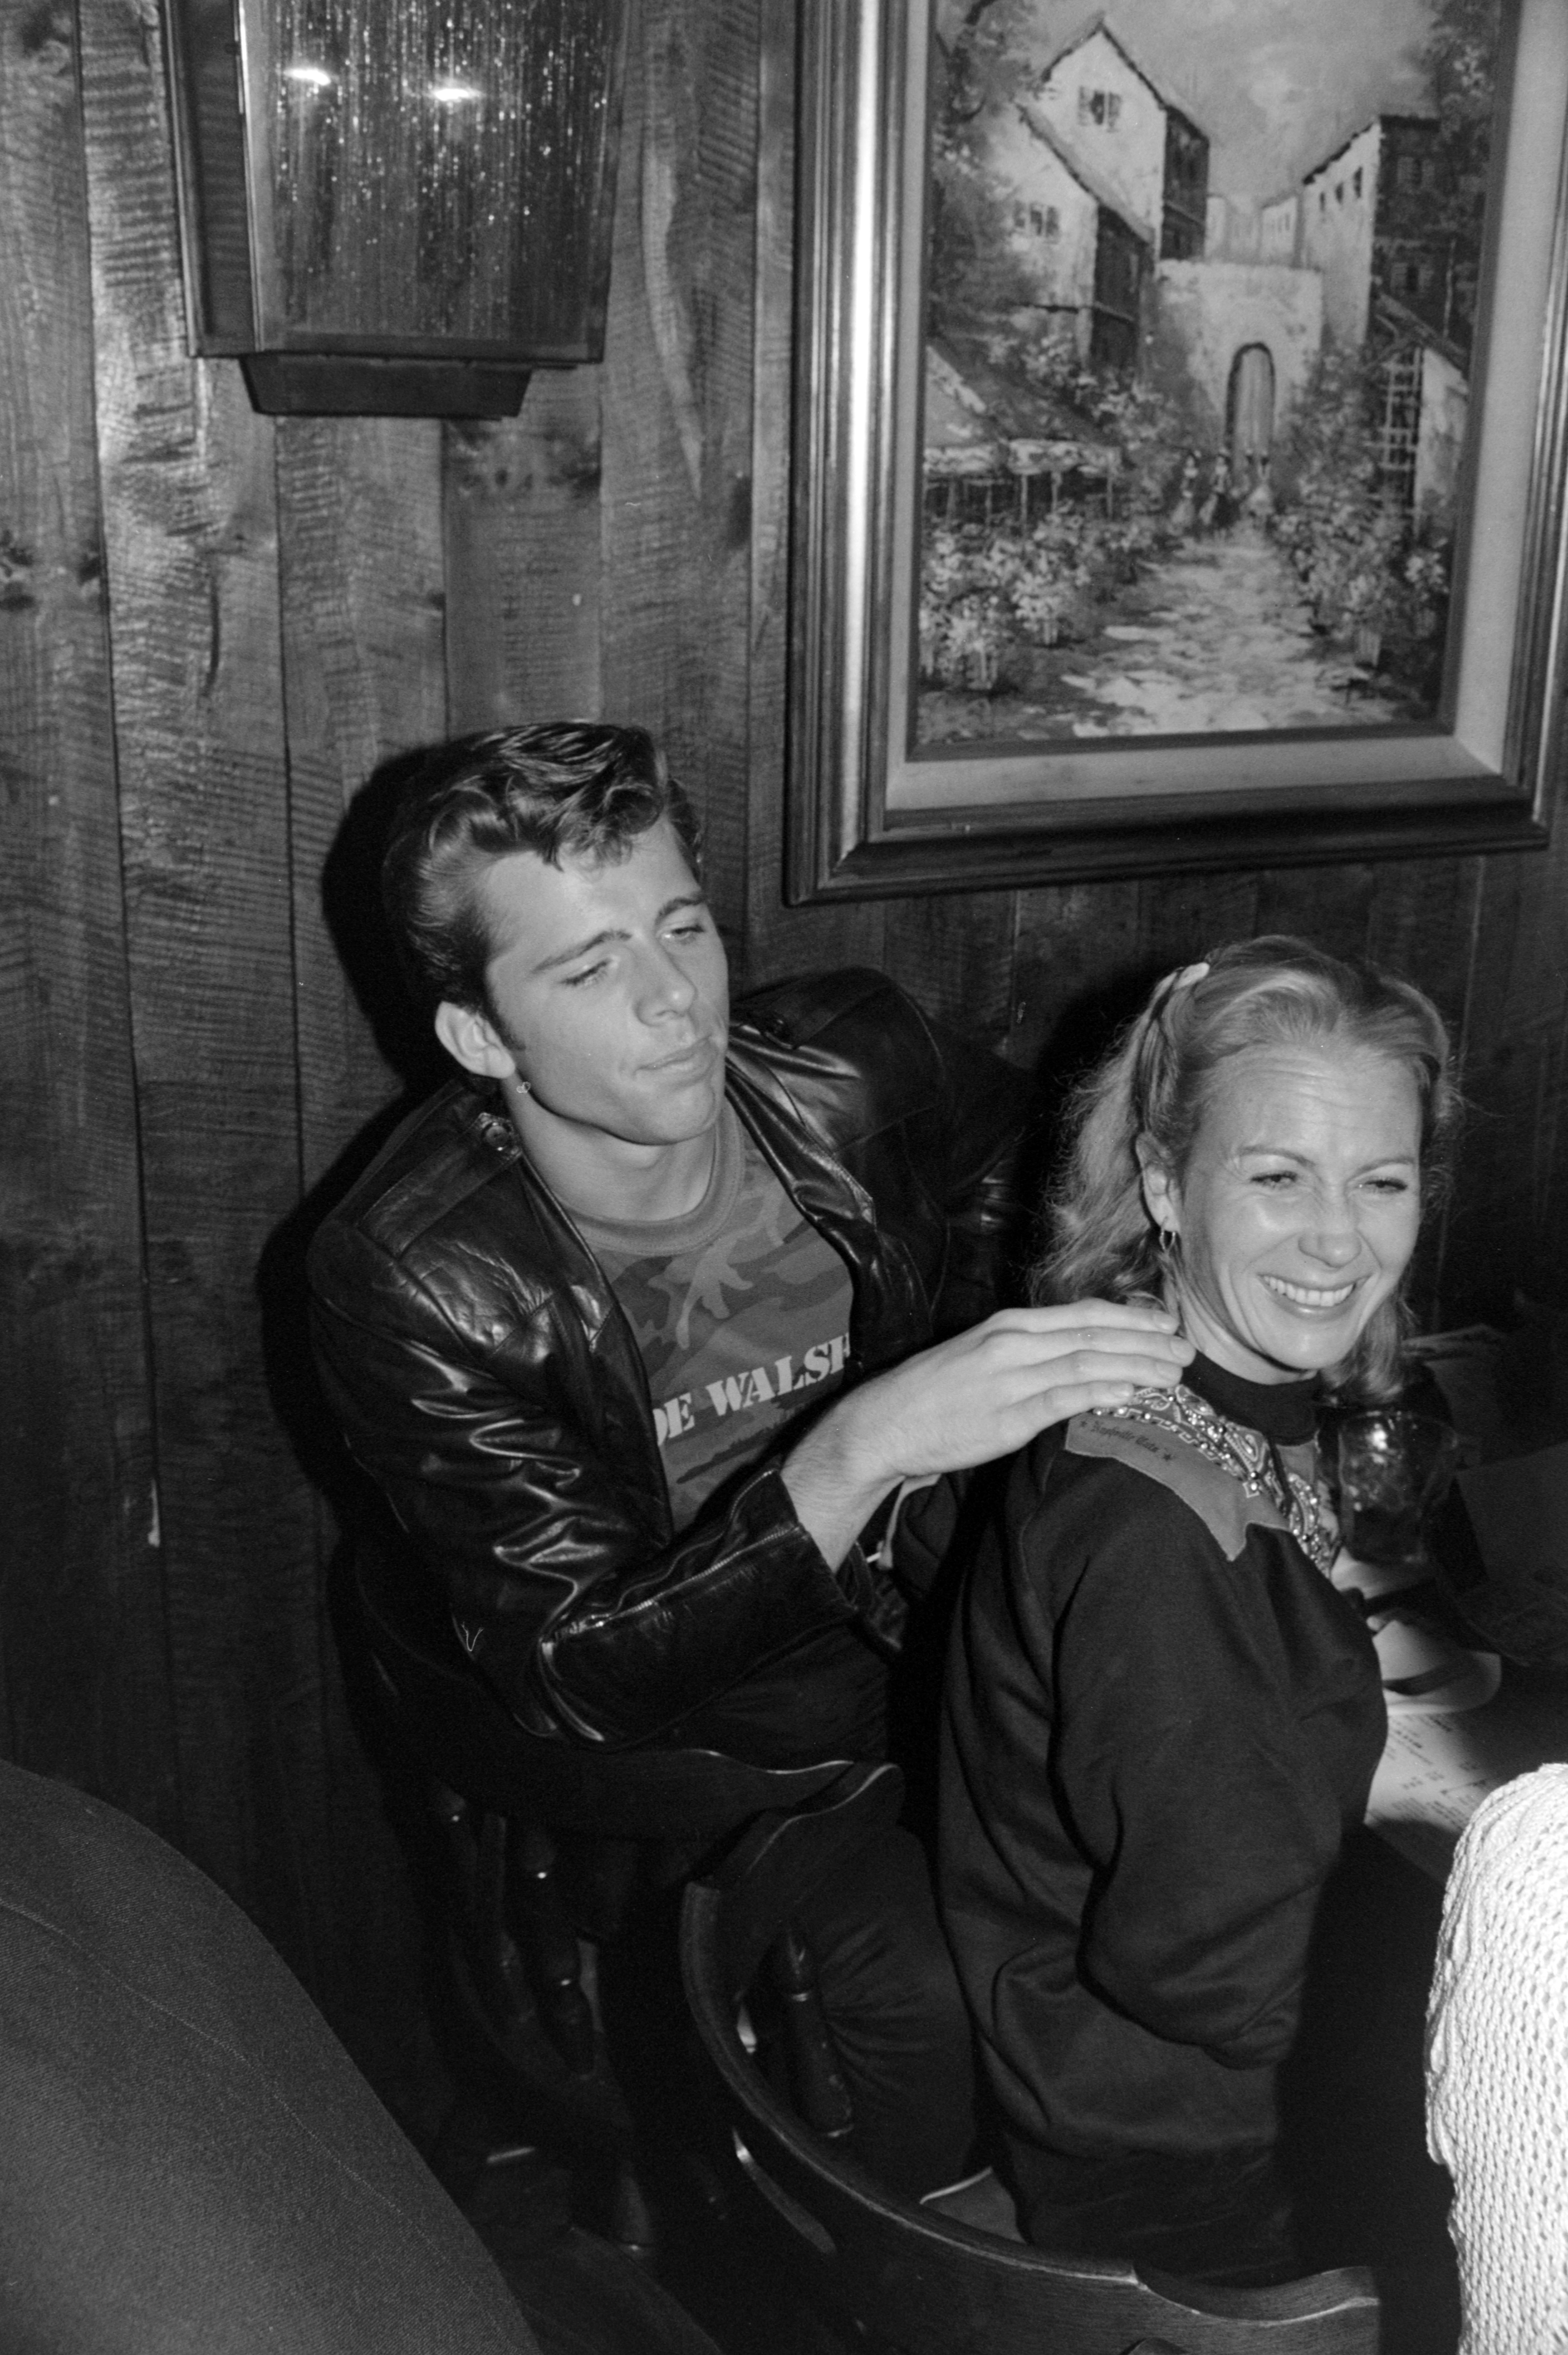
[(1393, 1469)]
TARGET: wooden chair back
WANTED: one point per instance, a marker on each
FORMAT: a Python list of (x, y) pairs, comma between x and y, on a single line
[(500, 1800), (908, 2279)]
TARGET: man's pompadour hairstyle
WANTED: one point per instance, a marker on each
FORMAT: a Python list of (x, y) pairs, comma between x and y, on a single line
[(566, 788)]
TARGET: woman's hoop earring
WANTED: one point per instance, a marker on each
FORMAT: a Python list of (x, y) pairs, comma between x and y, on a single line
[(1168, 1240)]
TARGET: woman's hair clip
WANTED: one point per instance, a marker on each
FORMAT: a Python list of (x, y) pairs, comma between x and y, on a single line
[(1181, 978)]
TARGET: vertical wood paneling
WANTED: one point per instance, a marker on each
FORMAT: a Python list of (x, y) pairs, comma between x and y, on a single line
[(677, 393), (1181, 916), (86, 1687), (360, 583), (191, 547), (955, 956), (522, 559), (1076, 942), (1508, 1231), (361, 592), (1421, 923), (1330, 905)]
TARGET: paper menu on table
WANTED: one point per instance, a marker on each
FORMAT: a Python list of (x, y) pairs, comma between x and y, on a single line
[(1437, 1766)]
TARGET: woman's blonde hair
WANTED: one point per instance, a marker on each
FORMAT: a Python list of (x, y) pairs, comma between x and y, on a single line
[(1150, 1093)]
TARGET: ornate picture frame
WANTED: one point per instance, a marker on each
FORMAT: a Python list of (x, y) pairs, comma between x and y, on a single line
[(883, 802)]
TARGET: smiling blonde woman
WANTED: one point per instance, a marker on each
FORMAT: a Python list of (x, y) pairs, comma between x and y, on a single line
[(1161, 1717)]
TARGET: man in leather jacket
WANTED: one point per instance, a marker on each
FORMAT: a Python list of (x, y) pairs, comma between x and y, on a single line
[(493, 1297)]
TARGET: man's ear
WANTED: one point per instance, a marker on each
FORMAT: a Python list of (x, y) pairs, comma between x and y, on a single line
[(471, 1039)]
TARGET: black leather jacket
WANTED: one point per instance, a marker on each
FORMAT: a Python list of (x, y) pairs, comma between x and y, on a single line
[(485, 1376)]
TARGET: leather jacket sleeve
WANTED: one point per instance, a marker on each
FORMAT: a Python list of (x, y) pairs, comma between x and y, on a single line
[(566, 1587)]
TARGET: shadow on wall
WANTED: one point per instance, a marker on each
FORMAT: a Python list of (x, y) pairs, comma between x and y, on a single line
[(1077, 1042), (351, 902)]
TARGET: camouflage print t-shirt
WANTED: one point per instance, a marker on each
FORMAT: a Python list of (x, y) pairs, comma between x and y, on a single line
[(741, 1312)]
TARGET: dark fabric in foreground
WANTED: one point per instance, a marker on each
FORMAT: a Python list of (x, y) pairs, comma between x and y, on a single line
[(188, 2158)]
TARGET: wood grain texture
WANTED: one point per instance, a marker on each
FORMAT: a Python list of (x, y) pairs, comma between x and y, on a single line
[(1079, 957), (361, 591), (1508, 1231), (677, 411), (86, 1681), (522, 561), (1182, 917), (191, 546), (360, 572), (1422, 924), (955, 957), (1329, 905)]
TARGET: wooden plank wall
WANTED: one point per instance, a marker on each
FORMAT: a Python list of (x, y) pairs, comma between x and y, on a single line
[(213, 629)]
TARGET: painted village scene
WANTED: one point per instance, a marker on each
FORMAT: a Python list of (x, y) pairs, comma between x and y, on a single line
[(1201, 281)]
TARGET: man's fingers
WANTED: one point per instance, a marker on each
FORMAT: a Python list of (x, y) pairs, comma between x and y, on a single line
[(1086, 1315), (1028, 1417), (1057, 1349), (1092, 1367), (1113, 1340), (996, 1388), (1048, 1408)]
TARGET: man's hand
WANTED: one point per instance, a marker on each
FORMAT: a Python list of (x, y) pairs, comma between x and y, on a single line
[(978, 1396)]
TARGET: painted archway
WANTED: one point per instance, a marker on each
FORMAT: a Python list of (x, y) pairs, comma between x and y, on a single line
[(1249, 414)]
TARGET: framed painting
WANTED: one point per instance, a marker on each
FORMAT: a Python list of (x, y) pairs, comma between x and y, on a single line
[(1179, 436)]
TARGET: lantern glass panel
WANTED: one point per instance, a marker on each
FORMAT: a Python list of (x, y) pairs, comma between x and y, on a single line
[(431, 175)]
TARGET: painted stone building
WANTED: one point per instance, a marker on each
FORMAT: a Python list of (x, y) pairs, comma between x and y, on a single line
[(1370, 223), (1085, 255), (1279, 226), (1132, 131), (1232, 231), (1101, 172), (1375, 226), (1248, 334), (1424, 405)]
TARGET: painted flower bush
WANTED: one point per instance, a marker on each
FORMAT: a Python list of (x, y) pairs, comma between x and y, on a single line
[(990, 591), (1374, 577)]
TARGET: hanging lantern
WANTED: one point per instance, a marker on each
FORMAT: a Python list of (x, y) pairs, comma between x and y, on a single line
[(397, 206)]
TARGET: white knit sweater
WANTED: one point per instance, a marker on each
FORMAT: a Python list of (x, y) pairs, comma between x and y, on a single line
[(1497, 2067)]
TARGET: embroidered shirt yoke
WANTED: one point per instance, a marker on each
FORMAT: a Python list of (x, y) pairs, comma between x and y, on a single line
[(1182, 1438)]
